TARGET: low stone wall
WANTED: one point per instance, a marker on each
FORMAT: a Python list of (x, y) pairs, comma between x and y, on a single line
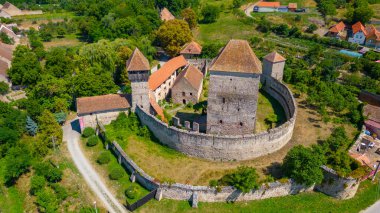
[(228, 148), (333, 185)]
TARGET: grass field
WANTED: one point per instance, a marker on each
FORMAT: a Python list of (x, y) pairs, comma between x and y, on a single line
[(117, 187), (367, 194), (45, 16), (67, 41)]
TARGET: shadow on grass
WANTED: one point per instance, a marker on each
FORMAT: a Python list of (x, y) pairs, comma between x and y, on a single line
[(278, 110)]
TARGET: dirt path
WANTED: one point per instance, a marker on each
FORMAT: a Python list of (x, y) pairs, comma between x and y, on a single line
[(373, 209), (93, 180)]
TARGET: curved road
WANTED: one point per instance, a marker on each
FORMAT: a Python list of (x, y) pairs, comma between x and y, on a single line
[(375, 208), (93, 180)]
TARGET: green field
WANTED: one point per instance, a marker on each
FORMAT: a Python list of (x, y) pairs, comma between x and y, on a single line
[(46, 16), (367, 194)]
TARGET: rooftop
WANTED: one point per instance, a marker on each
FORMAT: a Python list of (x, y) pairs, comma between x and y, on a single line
[(137, 62), (337, 28), (372, 112), (6, 51), (237, 56), (87, 105), (268, 4), (274, 57), (192, 48), (192, 75), (292, 6), (358, 26), (161, 75), (166, 15), (373, 33)]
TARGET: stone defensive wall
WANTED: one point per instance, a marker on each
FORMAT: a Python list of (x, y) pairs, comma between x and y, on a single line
[(228, 148), (333, 185)]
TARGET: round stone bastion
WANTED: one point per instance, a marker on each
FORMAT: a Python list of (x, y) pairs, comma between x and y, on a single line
[(229, 148)]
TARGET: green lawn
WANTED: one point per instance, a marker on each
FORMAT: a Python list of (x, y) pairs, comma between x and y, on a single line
[(46, 15), (367, 194)]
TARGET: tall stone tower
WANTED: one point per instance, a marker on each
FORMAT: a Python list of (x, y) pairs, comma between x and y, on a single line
[(273, 65), (233, 90), (138, 72)]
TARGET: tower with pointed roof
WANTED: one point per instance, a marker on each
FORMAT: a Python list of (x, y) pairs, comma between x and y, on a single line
[(233, 90), (138, 72), (273, 65)]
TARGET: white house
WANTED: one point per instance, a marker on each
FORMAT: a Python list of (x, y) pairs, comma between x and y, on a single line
[(359, 34)]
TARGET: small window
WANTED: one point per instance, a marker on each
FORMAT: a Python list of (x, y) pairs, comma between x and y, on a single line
[(224, 100), (230, 79), (191, 93), (184, 101), (220, 121), (238, 109), (241, 123), (183, 94)]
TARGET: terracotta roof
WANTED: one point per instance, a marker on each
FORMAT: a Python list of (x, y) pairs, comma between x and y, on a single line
[(156, 107), (237, 56), (268, 4), (6, 51), (192, 75), (358, 27), (161, 75), (274, 57), (166, 15), (373, 33), (3, 68), (372, 112), (102, 103), (137, 62), (192, 48), (292, 6), (337, 28)]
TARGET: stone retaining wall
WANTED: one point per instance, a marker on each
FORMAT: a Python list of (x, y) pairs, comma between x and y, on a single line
[(228, 148)]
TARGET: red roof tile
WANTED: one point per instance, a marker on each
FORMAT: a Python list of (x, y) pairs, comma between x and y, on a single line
[(192, 75), (161, 75), (137, 62), (358, 27), (292, 6), (337, 28), (274, 57), (192, 48), (87, 105), (268, 4), (166, 15)]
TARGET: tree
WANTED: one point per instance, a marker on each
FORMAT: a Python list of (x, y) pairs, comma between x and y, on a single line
[(312, 28), (51, 133), (4, 88), (271, 119), (37, 183), (303, 165), (116, 173), (237, 3), (190, 17), (17, 163), (58, 63), (327, 7), (173, 34), (244, 179), (359, 11), (31, 126), (210, 13), (60, 117), (88, 131)]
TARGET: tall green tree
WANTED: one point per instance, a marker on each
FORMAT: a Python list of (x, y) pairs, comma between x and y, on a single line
[(31, 126), (190, 17), (210, 13)]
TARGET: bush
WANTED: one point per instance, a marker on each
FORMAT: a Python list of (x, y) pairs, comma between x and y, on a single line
[(60, 191), (36, 184), (54, 175), (244, 179), (116, 174), (87, 132), (131, 192), (92, 141), (4, 88), (104, 158)]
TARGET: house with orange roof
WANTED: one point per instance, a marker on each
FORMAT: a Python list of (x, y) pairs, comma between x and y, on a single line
[(161, 81), (358, 34), (266, 7), (292, 7), (373, 38), (191, 50), (273, 65), (166, 15), (337, 31), (188, 86)]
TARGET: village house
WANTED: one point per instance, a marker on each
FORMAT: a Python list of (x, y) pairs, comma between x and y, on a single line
[(371, 111), (373, 38), (6, 54), (9, 32), (8, 10), (188, 86), (273, 65), (338, 31), (358, 34), (161, 81), (191, 50), (292, 7), (266, 7), (105, 108), (166, 15)]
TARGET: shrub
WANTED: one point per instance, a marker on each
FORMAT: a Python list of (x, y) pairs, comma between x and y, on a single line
[(47, 201), (104, 158), (36, 184), (131, 192), (60, 191), (87, 132), (4, 88), (92, 141), (54, 175), (243, 179), (116, 174)]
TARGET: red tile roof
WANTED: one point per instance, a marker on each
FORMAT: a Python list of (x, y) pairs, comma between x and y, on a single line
[(268, 4), (358, 27), (274, 57), (3, 68), (237, 56), (372, 112), (192, 48), (192, 75), (159, 111), (292, 6), (137, 62), (373, 33), (6, 51), (166, 15), (337, 28), (161, 75), (87, 105)]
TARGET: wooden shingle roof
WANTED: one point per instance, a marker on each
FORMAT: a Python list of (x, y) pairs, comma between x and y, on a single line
[(237, 56), (137, 62), (191, 75), (274, 57), (192, 48), (102, 103)]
